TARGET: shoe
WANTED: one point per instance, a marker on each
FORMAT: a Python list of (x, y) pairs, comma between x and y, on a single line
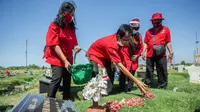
[(129, 89), (162, 87)]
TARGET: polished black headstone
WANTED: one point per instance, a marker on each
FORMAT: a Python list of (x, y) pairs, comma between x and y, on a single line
[(38, 103), (28, 103)]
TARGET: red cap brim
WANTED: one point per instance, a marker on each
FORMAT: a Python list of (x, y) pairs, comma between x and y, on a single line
[(157, 18)]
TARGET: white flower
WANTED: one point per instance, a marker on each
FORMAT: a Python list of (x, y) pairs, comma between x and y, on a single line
[(104, 92), (95, 88), (97, 97)]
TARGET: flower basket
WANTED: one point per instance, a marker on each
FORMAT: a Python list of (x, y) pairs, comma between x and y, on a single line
[(81, 73)]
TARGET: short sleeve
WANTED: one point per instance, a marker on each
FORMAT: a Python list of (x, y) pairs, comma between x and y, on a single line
[(114, 55), (52, 36)]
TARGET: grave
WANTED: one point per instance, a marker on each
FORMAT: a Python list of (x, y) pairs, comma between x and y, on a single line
[(194, 73), (38, 103), (181, 68)]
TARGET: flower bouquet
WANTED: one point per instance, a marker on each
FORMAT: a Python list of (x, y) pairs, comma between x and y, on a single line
[(95, 89)]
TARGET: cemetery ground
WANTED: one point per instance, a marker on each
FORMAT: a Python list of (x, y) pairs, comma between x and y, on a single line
[(185, 99)]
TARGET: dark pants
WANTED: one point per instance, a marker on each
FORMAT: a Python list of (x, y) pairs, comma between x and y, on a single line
[(59, 73), (122, 81), (109, 69), (161, 68)]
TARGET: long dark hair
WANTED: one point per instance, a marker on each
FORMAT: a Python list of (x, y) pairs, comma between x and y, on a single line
[(66, 7)]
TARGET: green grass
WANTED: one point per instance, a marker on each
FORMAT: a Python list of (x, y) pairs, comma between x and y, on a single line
[(165, 101), (186, 99), (10, 98), (14, 80), (19, 79)]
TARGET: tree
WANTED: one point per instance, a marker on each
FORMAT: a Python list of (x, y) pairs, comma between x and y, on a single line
[(2, 68), (33, 66), (182, 62)]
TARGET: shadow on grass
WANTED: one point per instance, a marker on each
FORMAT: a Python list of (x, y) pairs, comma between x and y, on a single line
[(154, 83), (4, 91), (197, 110), (139, 95), (5, 108), (76, 92)]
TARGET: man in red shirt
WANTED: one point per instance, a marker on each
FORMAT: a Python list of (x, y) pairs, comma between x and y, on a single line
[(107, 50), (155, 42), (131, 54), (60, 41)]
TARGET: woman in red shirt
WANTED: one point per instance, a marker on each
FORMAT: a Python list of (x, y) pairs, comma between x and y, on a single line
[(60, 41)]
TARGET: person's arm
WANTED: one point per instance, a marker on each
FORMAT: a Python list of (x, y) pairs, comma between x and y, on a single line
[(115, 58), (76, 48), (144, 51), (139, 50), (61, 56), (145, 46), (60, 53), (169, 45), (143, 87)]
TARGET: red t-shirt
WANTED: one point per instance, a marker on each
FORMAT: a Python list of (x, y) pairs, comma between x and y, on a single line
[(162, 36), (65, 39), (127, 56), (105, 48)]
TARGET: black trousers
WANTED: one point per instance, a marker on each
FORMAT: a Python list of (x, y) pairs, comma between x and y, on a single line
[(122, 81), (161, 68), (59, 73), (109, 69)]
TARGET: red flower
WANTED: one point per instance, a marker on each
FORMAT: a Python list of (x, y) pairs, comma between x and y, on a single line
[(116, 105), (150, 95)]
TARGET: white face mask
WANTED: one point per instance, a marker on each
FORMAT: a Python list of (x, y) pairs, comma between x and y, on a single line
[(120, 43)]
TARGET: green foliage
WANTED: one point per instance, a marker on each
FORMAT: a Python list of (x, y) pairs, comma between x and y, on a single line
[(186, 99), (33, 66), (2, 68), (182, 62)]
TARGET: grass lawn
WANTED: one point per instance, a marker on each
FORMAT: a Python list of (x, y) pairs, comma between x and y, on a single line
[(186, 99)]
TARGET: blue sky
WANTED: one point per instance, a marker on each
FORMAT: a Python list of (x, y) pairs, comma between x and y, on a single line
[(29, 19)]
